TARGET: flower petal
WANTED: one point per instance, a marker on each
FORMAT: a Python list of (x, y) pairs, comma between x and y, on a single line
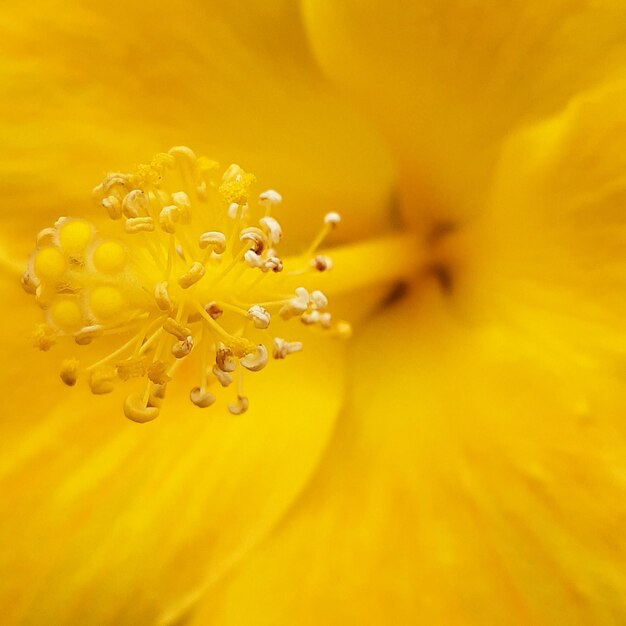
[(552, 248), (468, 483), (96, 87), (103, 521), (447, 79)]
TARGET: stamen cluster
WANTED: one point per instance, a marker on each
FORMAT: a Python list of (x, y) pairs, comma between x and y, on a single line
[(191, 270)]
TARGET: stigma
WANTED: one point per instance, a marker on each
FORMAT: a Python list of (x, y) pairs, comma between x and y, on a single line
[(188, 271)]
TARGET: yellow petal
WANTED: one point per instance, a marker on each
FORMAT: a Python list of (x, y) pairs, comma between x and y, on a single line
[(552, 248), (446, 79), (96, 87), (103, 521), (467, 484)]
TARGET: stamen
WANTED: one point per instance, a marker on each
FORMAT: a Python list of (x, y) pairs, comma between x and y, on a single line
[(173, 284)]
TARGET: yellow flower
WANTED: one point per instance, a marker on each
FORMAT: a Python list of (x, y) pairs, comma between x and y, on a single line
[(476, 472)]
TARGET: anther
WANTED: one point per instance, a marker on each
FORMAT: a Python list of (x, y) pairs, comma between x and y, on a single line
[(29, 283), (87, 334), (139, 225), (214, 310), (325, 320), (332, 219), (102, 380), (224, 359), (168, 217), (157, 395), (214, 240), (253, 259), (255, 361), (46, 237), (260, 316), (113, 207), (69, 371), (44, 337), (137, 411), (319, 299), (162, 297), (224, 378), (157, 373), (182, 348), (202, 399), (310, 317), (272, 229), (343, 330), (135, 204), (241, 406), (192, 275), (322, 263), (270, 198), (255, 236), (182, 202), (282, 347)]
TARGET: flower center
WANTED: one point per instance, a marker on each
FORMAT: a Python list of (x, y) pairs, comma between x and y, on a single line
[(190, 271)]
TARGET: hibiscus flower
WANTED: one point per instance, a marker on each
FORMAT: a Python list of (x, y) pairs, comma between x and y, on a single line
[(461, 460)]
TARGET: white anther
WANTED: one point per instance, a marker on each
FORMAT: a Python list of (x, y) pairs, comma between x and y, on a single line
[(139, 224), (272, 229), (135, 203), (29, 282), (182, 348), (162, 297), (46, 237), (225, 360), (202, 399), (270, 198), (214, 310), (260, 316), (213, 239), (310, 317), (233, 171), (322, 263), (319, 299), (224, 378), (297, 305), (255, 236), (325, 320), (183, 154), (332, 219), (192, 275), (273, 263), (282, 347), (114, 185), (257, 360), (87, 334), (168, 217), (241, 406), (302, 294), (113, 207), (175, 328), (253, 259), (181, 200)]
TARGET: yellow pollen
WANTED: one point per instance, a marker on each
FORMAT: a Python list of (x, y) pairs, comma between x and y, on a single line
[(109, 257), (66, 314), (190, 271), (74, 235), (49, 264)]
